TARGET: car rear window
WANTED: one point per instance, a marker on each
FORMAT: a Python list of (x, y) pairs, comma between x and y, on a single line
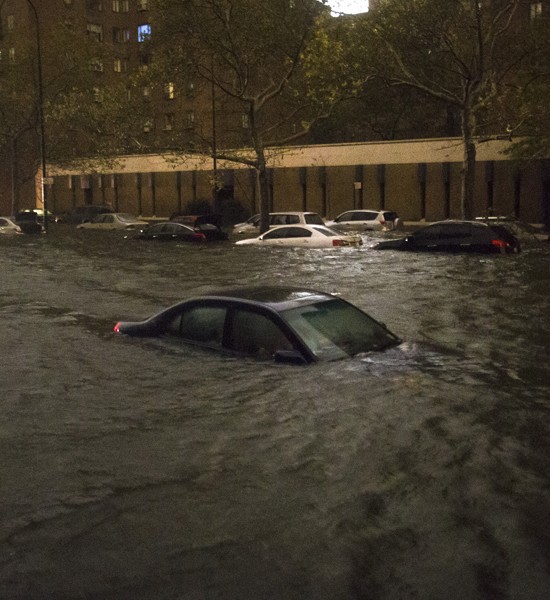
[(313, 219)]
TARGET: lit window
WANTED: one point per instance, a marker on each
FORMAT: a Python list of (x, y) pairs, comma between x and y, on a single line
[(147, 126), (169, 92), (120, 65), (95, 31), (536, 10), (11, 55), (97, 94), (120, 6), (144, 32), (143, 5), (245, 121), (146, 92), (10, 22)]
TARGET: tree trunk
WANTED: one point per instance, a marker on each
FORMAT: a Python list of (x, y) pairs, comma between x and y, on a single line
[(468, 173), (263, 185)]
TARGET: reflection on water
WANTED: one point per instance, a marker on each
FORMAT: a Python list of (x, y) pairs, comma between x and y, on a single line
[(137, 469)]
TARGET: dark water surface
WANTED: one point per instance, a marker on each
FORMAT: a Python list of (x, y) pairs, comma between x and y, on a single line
[(136, 469)]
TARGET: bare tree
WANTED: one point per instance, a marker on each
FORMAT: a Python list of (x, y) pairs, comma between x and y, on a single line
[(251, 54)]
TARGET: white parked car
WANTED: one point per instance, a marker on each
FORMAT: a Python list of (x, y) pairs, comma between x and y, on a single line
[(365, 220), (279, 218), (110, 221), (8, 226), (303, 236)]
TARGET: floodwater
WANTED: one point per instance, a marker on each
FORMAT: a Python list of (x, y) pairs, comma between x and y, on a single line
[(135, 469)]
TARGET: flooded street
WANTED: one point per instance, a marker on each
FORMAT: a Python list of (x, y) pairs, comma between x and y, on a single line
[(139, 469)]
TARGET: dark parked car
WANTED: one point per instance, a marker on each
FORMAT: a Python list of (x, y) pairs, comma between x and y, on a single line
[(168, 231), (210, 225), (83, 214), (456, 236), (29, 221), (283, 324)]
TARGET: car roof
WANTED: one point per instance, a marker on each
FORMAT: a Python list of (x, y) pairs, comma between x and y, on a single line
[(276, 298)]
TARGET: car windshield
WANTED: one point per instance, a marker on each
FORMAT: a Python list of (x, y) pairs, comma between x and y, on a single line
[(335, 329)]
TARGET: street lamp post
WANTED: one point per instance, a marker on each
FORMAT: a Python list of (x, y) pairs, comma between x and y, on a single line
[(40, 96)]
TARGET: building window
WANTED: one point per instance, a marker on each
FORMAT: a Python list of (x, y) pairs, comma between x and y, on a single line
[(143, 5), (120, 36), (94, 4), (11, 55), (169, 91), (535, 10), (10, 22), (120, 6), (95, 31), (168, 122), (97, 94), (147, 126), (144, 61), (144, 32), (96, 64), (146, 92), (245, 121), (120, 65), (190, 118)]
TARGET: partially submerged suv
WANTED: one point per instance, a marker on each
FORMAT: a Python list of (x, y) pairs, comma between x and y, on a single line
[(279, 218), (365, 220)]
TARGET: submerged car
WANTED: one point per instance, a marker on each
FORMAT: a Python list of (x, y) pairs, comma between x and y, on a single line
[(9, 226), (365, 220), (82, 214), (279, 218), (168, 231), (209, 225), (456, 236), (110, 221), (307, 236), (291, 325), (29, 221)]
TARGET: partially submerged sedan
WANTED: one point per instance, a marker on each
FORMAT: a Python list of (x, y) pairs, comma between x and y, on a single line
[(168, 231), (456, 236), (308, 236), (9, 226), (291, 325), (113, 221)]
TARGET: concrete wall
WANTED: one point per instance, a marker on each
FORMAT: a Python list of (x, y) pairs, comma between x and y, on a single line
[(427, 190)]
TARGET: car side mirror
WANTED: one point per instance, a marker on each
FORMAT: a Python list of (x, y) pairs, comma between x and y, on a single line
[(292, 357)]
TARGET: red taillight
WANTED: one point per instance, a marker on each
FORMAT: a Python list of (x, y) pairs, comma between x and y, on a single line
[(117, 328), (337, 242), (199, 237), (500, 244)]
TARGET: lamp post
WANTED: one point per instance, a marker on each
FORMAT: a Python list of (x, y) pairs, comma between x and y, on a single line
[(40, 102)]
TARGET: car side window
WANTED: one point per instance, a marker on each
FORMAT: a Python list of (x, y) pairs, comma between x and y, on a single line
[(298, 232), (3, 222), (345, 217), (201, 324), (256, 334), (276, 233)]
